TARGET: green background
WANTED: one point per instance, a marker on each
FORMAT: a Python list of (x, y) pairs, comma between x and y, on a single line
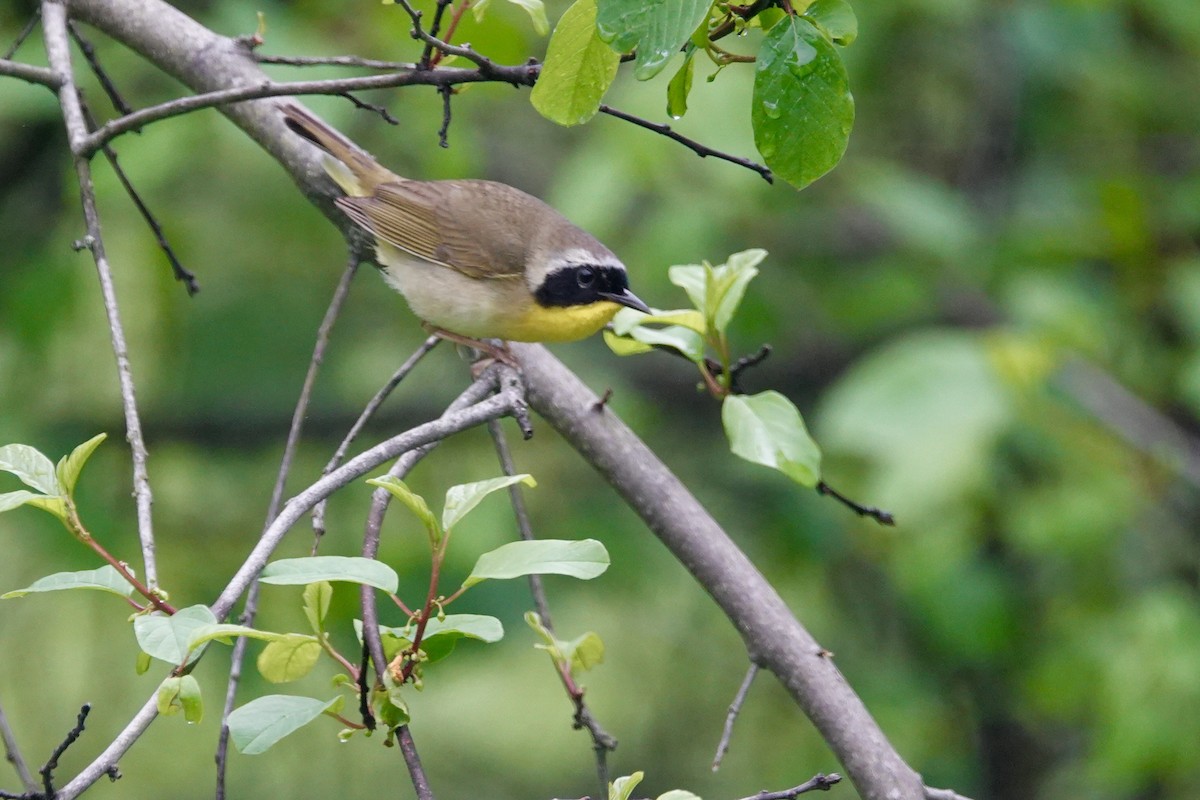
[(1011, 237)]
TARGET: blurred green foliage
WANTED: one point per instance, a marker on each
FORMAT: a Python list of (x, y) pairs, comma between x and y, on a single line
[(1015, 222)]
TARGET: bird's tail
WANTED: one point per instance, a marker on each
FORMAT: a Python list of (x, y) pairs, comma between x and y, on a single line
[(350, 166)]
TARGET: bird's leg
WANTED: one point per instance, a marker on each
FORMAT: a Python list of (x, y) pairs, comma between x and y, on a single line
[(499, 352)]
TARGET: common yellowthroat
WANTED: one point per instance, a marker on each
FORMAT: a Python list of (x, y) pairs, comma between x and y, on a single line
[(475, 258)]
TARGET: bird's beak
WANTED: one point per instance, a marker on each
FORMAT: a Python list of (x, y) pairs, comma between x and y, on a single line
[(627, 298)]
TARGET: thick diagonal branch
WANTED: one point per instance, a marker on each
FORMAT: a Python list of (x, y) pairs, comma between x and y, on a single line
[(772, 634)]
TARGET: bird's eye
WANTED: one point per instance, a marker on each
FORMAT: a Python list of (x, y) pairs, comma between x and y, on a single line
[(586, 276)]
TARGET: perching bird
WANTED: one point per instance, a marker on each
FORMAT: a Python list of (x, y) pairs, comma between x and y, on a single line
[(475, 259)]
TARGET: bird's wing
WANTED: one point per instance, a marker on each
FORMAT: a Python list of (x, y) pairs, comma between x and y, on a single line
[(414, 218)]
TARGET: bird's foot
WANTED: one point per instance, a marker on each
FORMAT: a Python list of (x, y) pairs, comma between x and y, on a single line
[(494, 350)]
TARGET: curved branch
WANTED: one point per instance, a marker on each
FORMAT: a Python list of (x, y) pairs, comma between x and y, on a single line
[(772, 634)]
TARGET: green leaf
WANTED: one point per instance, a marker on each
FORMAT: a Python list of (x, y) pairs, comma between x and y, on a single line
[(693, 279), (262, 722), (578, 68), (53, 505), (316, 603), (470, 626), (536, 9), (537, 13), (836, 19), (624, 345), (585, 652), (685, 340), (766, 429), (581, 653), (580, 559), (678, 794), (142, 664), (627, 319), (104, 579), (393, 711), (464, 497), (11, 500), (31, 467), (802, 109), (21, 497), (225, 631), (681, 86), (729, 284), (922, 416), (622, 788), (353, 569), (657, 28), (416, 504), (289, 658), (69, 467), (717, 291), (181, 693), (440, 635), (166, 638)]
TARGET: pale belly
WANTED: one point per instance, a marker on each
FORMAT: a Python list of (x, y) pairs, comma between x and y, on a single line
[(486, 309)]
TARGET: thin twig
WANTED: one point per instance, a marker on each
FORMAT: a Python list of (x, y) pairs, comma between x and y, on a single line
[(517, 499), (434, 29), (368, 412), (485, 64), (817, 783), (704, 151), (23, 35), (373, 108), (58, 51), (735, 708), (47, 770), (12, 753), (519, 75), (877, 514), (602, 741), (106, 83), (181, 273), (444, 131), (250, 609), (332, 61)]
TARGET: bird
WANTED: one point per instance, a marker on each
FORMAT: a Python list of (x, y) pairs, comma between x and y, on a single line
[(474, 259)]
